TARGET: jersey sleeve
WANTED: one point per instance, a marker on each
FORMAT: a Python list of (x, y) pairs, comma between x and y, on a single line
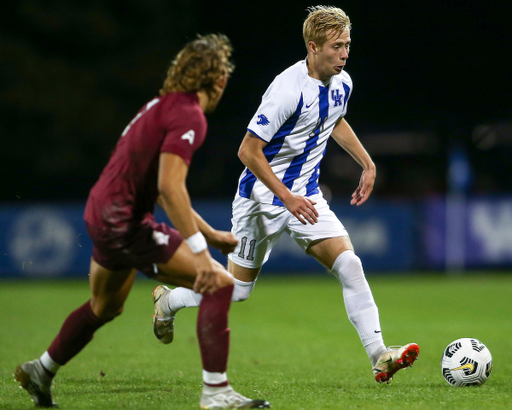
[(277, 105), (185, 134)]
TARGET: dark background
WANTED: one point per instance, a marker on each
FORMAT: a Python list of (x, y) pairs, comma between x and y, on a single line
[(428, 76)]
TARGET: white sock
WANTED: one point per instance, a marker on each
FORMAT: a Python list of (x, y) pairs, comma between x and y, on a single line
[(242, 290), (48, 363), (183, 297), (180, 298), (359, 303), (375, 350), (212, 379)]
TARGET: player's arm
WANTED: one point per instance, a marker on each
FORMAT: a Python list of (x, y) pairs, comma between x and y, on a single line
[(175, 200), (222, 240), (347, 139), (252, 156)]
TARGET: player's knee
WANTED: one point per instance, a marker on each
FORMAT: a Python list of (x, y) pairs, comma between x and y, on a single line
[(118, 312), (242, 290), (353, 262), (107, 315), (110, 314), (349, 270), (105, 311), (225, 278), (347, 261)]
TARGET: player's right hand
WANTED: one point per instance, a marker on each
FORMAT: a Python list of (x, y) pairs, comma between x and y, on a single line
[(302, 208), (208, 270)]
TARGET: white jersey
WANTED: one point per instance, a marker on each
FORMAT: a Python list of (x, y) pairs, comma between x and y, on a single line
[(296, 117)]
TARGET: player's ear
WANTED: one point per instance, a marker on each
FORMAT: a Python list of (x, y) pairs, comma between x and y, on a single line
[(313, 47)]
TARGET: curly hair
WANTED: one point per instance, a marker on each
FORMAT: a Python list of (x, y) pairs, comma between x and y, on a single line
[(199, 65), (321, 21)]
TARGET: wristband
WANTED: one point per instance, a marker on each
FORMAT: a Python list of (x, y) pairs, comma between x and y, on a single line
[(196, 242)]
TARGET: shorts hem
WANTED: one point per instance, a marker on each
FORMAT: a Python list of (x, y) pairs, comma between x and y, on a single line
[(323, 238), (244, 265)]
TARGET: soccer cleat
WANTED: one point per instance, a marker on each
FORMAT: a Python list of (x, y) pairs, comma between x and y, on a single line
[(394, 359), (33, 378), (216, 398), (163, 325)]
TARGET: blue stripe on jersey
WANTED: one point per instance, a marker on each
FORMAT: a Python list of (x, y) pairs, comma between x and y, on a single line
[(271, 149), (347, 93), (293, 172), (312, 186)]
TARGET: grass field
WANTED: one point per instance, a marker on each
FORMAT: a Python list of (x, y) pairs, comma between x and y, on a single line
[(291, 343)]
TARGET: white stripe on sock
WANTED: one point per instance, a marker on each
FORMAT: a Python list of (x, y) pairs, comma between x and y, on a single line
[(214, 378), (48, 363)]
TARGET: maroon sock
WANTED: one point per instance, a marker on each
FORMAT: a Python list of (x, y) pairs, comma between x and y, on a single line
[(76, 331), (213, 331)]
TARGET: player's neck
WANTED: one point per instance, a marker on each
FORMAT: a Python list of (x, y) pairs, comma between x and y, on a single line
[(313, 73)]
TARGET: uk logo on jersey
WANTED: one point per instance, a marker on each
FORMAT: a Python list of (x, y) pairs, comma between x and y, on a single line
[(336, 97), (262, 120), (189, 136)]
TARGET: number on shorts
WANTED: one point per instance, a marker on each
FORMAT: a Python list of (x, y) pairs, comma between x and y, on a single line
[(252, 248)]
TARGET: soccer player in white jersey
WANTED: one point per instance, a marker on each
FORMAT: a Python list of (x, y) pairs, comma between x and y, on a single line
[(278, 192)]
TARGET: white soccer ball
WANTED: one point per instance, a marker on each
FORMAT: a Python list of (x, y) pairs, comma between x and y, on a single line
[(466, 362)]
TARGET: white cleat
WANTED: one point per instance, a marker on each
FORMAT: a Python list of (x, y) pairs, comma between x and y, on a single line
[(216, 398), (163, 325), (394, 359), (33, 378)]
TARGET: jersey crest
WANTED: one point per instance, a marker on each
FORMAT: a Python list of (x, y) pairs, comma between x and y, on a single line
[(189, 136), (262, 120), (336, 97)]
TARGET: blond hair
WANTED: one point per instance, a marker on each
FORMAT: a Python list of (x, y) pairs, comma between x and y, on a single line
[(322, 21), (199, 65)]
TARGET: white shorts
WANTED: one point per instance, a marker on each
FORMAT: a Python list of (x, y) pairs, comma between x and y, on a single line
[(258, 226)]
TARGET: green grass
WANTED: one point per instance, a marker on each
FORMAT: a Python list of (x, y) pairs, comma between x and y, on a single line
[(291, 343)]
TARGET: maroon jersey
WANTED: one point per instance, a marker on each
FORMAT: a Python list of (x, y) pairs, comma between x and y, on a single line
[(127, 188)]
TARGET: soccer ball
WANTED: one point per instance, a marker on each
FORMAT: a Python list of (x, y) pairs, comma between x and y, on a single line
[(466, 362)]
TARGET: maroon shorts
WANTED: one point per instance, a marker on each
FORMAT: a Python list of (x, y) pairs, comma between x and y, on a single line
[(138, 247)]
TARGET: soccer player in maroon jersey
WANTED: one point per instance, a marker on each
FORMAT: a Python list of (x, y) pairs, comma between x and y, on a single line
[(150, 164)]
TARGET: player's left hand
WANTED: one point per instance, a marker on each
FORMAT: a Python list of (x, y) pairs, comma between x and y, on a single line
[(365, 187), (223, 241)]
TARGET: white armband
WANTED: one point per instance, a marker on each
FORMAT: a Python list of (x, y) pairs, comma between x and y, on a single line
[(196, 242)]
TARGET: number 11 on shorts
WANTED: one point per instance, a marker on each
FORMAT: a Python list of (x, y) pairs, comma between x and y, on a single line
[(252, 247)]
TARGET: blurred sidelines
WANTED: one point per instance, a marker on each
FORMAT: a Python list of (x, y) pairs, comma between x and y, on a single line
[(42, 240)]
